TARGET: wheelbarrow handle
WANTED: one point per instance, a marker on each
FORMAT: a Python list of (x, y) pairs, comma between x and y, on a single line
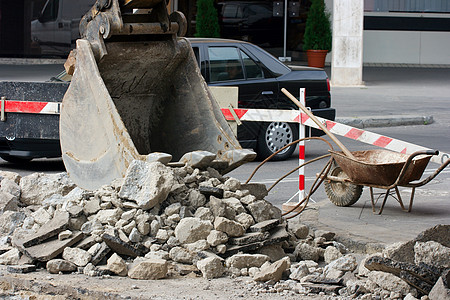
[(410, 158), (429, 152)]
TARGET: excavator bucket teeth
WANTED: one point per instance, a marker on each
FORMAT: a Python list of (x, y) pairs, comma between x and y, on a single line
[(141, 97)]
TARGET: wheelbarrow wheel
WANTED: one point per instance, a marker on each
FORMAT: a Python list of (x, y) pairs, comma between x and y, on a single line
[(341, 193)]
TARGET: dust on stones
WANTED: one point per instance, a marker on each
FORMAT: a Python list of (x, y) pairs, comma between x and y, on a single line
[(169, 222)]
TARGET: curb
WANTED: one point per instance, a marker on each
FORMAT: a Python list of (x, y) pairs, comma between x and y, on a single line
[(355, 243), (382, 121), (32, 61)]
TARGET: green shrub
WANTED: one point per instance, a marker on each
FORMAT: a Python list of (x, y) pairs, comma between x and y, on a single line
[(318, 28), (207, 22)]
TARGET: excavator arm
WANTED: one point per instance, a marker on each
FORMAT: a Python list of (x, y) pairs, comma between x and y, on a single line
[(137, 89)]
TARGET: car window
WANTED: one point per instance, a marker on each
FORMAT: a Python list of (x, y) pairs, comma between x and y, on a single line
[(197, 54), (252, 69), (50, 11), (230, 11), (225, 64)]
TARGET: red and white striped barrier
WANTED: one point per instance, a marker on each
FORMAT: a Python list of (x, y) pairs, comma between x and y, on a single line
[(334, 127), (258, 115), (33, 107)]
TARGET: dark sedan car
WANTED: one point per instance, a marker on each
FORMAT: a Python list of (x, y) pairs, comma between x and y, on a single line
[(260, 78)]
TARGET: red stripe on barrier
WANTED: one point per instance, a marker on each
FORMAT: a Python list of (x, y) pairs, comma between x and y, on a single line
[(301, 182), (354, 133), (239, 112), (304, 118), (24, 106), (382, 142), (330, 124), (301, 152)]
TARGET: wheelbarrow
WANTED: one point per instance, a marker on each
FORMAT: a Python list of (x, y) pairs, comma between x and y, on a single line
[(380, 169)]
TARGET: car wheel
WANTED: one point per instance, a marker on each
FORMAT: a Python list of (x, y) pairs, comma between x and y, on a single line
[(275, 136), (15, 159)]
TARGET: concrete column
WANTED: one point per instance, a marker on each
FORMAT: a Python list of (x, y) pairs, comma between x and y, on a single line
[(347, 52)]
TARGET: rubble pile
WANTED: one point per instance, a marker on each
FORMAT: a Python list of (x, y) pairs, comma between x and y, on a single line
[(170, 221)]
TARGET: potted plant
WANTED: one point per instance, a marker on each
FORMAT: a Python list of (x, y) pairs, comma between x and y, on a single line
[(207, 22), (317, 39)]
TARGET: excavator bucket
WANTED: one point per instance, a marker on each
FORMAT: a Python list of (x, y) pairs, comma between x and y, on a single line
[(135, 92)]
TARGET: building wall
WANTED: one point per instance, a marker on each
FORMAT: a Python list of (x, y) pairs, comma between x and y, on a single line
[(413, 38)]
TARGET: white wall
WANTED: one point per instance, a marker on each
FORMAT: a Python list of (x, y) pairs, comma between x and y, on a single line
[(410, 47)]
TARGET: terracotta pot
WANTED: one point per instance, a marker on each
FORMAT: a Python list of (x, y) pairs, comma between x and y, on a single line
[(316, 58)]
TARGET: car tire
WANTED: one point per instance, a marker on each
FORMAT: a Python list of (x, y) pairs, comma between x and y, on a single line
[(273, 136), (15, 159)]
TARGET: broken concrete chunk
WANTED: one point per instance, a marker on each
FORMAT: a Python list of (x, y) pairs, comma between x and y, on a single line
[(50, 248), (262, 210), (120, 247), (56, 225), (259, 190), (101, 252), (235, 205), (21, 269), (39, 186), (211, 267), (304, 251), (210, 191), (274, 251), (328, 235), (231, 228), (441, 290), (190, 230), (389, 282), (10, 220), (241, 261), (331, 253), (117, 265), (298, 272), (428, 273), (345, 263), (10, 257), (8, 202), (55, 266), (147, 184), (77, 256), (300, 231), (64, 235), (273, 271), (198, 159), (216, 237), (265, 225), (181, 255), (149, 269), (248, 238), (432, 253)]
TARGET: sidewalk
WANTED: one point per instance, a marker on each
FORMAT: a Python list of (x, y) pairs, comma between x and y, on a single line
[(392, 93)]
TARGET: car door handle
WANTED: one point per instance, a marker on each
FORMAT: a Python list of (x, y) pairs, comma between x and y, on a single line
[(267, 93)]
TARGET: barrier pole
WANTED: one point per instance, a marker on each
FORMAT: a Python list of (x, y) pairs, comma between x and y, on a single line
[(301, 152), (287, 206)]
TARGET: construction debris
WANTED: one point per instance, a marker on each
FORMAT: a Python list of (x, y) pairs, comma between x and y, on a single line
[(169, 222)]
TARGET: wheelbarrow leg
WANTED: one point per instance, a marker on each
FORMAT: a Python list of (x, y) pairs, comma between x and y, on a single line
[(399, 198), (372, 199), (384, 201), (411, 199)]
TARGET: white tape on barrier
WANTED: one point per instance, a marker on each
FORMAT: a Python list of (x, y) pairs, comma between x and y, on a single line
[(270, 115)]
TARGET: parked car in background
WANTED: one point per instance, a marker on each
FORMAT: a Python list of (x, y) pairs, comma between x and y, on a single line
[(260, 78), (251, 21), (258, 75)]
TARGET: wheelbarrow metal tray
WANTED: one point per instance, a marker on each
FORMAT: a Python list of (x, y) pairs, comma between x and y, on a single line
[(380, 167)]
